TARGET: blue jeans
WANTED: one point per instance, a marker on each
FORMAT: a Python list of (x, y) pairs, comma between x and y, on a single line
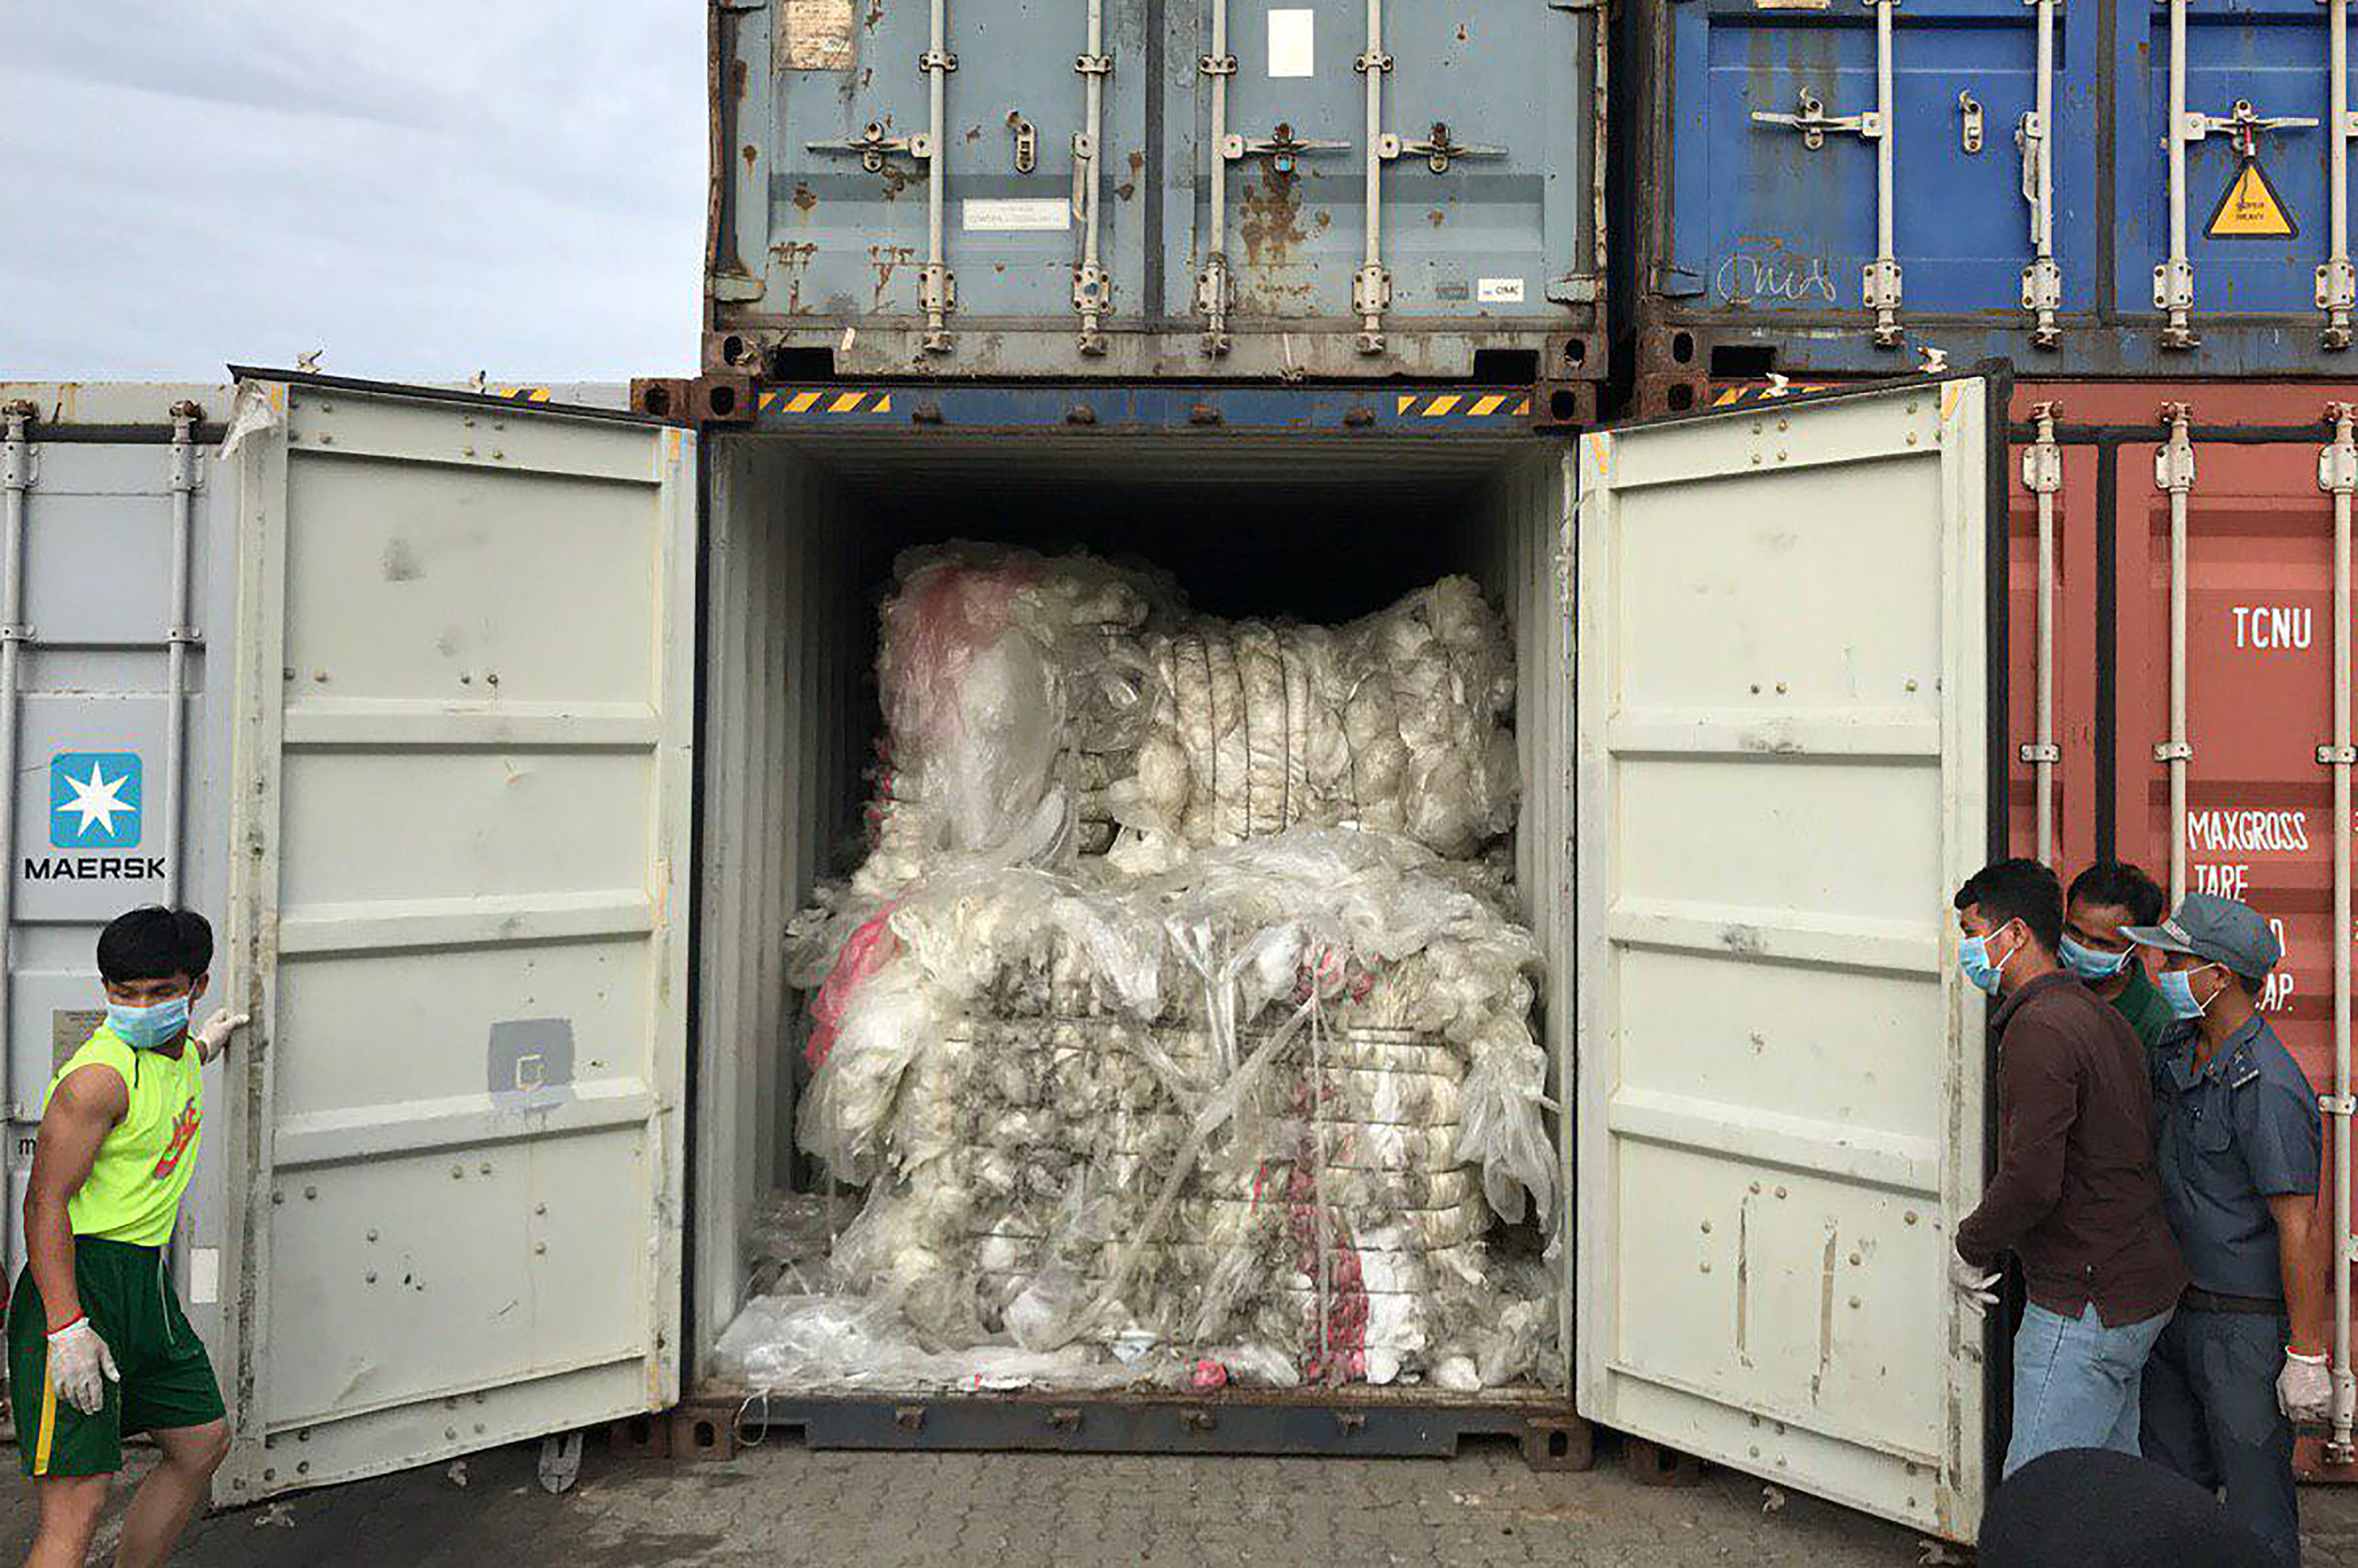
[(2076, 1383), (2211, 1414)]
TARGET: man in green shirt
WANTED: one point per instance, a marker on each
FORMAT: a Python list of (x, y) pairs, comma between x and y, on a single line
[(2106, 899), (98, 1347)]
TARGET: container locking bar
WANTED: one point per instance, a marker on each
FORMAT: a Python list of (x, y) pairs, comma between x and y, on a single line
[(936, 287), (875, 148), (187, 478), (1213, 291), (2173, 281), (1881, 286), (20, 464), (2337, 280), (2042, 280), (1092, 289), (1815, 123), (2337, 474), (2042, 475), (2173, 473), (1438, 152), (1371, 291)]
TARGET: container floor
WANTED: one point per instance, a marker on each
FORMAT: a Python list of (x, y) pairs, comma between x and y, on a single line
[(782, 1503)]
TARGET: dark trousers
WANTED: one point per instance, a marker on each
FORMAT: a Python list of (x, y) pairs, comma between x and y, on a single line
[(2211, 1414)]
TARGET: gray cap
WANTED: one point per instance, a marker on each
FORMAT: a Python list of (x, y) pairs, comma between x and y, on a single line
[(2220, 929)]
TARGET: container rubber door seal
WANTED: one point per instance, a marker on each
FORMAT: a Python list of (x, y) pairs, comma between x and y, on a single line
[(1784, 701), (462, 737)]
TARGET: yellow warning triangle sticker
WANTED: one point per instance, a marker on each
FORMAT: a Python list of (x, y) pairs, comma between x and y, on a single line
[(2250, 209)]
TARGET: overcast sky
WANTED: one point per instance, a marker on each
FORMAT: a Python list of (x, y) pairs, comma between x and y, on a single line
[(422, 188)]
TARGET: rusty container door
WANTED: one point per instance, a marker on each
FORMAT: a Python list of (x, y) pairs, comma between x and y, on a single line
[(1134, 189), (929, 176), (2211, 773)]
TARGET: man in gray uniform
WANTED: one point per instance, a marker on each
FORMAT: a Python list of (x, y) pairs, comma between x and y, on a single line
[(2238, 1144)]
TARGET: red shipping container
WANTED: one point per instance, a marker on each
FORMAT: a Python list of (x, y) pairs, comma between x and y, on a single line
[(2257, 817)]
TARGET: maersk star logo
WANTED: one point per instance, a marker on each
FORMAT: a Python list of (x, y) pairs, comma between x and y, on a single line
[(94, 800)]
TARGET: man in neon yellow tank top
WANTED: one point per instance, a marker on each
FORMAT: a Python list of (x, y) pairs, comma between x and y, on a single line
[(97, 1344)]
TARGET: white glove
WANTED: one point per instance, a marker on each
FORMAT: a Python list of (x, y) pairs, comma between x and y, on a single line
[(2305, 1388), (80, 1365), (212, 1035), (1975, 1287)]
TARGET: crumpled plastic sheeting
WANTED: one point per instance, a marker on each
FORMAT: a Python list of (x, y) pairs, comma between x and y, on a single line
[(1264, 1099), (796, 1341), (1038, 708)]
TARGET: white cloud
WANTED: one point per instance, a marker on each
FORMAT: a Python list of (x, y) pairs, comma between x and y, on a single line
[(423, 190)]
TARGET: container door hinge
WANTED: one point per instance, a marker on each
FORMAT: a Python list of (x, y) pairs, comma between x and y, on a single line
[(2173, 752), (2337, 756), (2338, 1105)]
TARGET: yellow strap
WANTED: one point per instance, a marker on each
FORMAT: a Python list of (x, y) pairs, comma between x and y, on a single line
[(48, 1417)]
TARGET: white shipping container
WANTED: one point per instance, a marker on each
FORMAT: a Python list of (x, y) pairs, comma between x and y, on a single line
[(540, 721)]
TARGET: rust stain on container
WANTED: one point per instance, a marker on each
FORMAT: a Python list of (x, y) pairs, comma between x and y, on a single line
[(1275, 278), (803, 198), (886, 260), (795, 257)]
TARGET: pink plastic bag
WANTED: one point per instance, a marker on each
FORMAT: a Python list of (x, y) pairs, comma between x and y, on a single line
[(869, 949)]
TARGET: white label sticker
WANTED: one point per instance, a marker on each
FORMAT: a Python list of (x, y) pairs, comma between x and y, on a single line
[(1500, 291), (1019, 212), (818, 36), (1290, 46), (204, 1275)]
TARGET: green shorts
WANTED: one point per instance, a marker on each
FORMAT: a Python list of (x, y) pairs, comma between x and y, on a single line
[(167, 1380)]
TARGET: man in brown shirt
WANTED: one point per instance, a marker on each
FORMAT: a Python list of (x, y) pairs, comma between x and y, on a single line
[(2076, 1195)]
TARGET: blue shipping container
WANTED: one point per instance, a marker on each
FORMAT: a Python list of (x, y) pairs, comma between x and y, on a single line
[(1762, 203)]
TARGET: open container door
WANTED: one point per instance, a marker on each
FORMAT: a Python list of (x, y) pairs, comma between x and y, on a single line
[(1784, 759), (463, 693)]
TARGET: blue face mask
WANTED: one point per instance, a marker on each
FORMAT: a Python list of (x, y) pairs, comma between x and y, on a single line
[(145, 1028), (1972, 958), (2177, 988), (2091, 965)]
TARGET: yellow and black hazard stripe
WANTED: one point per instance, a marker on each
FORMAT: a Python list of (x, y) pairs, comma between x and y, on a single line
[(825, 400), (519, 394), (1763, 392), (1462, 405)]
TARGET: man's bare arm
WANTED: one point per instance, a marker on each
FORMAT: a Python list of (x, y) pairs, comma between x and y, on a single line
[(2306, 1264), (82, 1109)]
